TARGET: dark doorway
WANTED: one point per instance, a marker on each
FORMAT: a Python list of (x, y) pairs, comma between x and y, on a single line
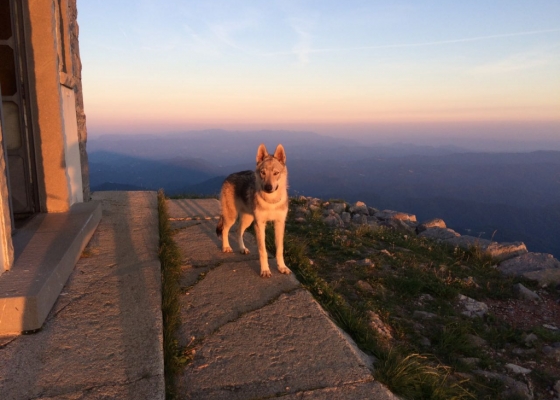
[(15, 109)]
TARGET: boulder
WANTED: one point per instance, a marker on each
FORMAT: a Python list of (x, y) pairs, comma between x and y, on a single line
[(525, 293), (379, 326), (301, 212), (471, 307), (423, 315), (432, 223), (313, 201), (386, 215), (359, 219), (345, 217), (516, 369), (364, 286), (372, 222), (372, 211), (514, 388), (333, 220), (541, 267), (438, 234), (359, 207), (398, 226), (504, 251), (467, 242), (337, 207)]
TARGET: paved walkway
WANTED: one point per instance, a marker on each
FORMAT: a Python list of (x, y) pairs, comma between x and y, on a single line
[(253, 337), (256, 338), (103, 337)]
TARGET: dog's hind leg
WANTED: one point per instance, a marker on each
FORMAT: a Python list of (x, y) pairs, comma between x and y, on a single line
[(229, 214), (245, 220), (227, 224)]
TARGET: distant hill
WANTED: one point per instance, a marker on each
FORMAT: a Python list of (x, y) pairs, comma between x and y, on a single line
[(223, 148), (172, 174), (515, 194), (112, 186)]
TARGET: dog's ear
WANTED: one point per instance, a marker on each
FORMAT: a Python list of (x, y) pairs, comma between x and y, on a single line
[(280, 154), (261, 153)]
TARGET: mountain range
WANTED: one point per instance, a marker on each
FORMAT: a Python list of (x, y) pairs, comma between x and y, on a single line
[(507, 196)]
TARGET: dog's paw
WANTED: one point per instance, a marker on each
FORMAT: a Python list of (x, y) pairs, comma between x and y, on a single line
[(265, 273), (227, 250), (244, 251), (284, 270)]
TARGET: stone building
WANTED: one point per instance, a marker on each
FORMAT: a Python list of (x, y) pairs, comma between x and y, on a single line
[(45, 216)]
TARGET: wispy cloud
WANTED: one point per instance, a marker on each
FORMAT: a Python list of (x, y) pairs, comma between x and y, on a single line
[(420, 44), (303, 47), (225, 32), (516, 62)]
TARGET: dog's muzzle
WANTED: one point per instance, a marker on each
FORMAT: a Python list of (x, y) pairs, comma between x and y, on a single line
[(268, 188)]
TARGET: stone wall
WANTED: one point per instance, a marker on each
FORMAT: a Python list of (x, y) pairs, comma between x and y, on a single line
[(76, 72)]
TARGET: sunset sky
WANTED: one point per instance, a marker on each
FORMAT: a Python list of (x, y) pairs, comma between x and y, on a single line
[(356, 68)]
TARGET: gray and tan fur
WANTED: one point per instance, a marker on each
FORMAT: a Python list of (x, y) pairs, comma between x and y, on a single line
[(259, 196)]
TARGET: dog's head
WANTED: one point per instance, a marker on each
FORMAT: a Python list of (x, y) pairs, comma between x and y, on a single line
[(271, 170)]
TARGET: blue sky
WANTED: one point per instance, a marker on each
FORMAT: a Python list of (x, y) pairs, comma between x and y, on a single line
[(361, 68)]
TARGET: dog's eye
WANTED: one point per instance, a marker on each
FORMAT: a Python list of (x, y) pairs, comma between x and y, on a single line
[(263, 172), (276, 173)]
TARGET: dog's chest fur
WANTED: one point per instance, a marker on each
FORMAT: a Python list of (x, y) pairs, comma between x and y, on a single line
[(273, 206)]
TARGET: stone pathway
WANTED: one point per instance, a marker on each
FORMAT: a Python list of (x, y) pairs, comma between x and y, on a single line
[(103, 337), (254, 337)]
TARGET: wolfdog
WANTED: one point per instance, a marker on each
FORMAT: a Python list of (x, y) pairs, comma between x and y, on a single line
[(260, 196)]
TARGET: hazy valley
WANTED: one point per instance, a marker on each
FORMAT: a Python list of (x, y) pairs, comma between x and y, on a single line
[(513, 196)]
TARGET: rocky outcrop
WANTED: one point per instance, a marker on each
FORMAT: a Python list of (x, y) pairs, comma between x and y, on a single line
[(432, 223), (438, 234), (511, 258), (541, 267)]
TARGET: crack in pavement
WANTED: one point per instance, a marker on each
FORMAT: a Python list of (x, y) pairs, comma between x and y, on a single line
[(94, 387)]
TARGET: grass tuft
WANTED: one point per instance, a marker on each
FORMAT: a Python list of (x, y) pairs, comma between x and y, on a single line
[(170, 259)]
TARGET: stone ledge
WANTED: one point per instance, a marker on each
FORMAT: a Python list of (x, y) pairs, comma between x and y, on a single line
[(46, 250)]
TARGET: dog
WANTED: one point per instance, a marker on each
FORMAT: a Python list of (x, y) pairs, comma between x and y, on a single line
[(259, 196)]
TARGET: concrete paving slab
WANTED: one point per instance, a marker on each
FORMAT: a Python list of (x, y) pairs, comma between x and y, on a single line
[(45, 252), (191, 275), (103, 338), (286, 347), (227, 292), (193, 208), (200, 246), (361, 391)]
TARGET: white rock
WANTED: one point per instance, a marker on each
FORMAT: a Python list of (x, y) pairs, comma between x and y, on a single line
[(525, 293), (423, 315), (516, 369), (472, 308)]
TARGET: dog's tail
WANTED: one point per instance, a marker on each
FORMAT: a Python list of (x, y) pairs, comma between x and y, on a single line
[(220, 226)]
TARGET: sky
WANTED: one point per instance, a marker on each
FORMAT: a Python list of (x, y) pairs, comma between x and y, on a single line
[(372, 70)]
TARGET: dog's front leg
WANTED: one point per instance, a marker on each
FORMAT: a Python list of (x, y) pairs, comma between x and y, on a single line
[(279, 226), (260, 227)]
